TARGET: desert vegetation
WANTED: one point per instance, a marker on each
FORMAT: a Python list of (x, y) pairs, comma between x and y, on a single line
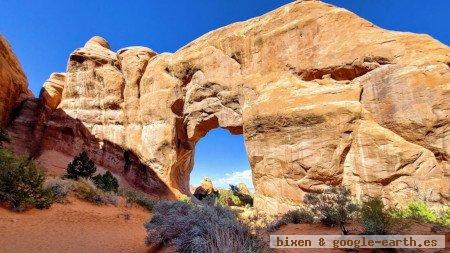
[(22, 183), (81, 167), (200, 228), (234, 196), (334, 207), (139, 199)]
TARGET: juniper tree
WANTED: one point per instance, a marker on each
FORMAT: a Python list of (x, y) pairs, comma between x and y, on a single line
[(81, 166)]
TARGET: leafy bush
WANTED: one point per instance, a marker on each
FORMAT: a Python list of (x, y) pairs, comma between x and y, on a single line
[(199, 228), (226, 198), (87, 190), (420, 211), (245, 198), (59, 187), (297, 216), (445, 217), (133, 197), (81, 166), (4, 137), (106, 182), (233, 197), (256, 221), (21, 183), (332, 206), (375, 219)]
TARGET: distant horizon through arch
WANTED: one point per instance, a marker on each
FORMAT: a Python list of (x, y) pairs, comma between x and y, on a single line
[(221, 157)]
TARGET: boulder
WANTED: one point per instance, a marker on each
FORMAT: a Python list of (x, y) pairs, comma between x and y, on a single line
[(243, 189), (205, 189)]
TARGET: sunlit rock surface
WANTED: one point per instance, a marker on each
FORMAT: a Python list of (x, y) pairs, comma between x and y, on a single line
[(322, 98)]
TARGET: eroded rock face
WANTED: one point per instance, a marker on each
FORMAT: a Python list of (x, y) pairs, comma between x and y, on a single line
[(321, 96), (51, 92), (13, 82), (205, 189)]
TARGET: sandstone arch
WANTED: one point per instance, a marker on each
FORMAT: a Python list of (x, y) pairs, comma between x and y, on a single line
[(321, 96)]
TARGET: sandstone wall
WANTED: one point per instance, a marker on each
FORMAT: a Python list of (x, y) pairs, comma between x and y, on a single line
[(321, 96), (13, 82)]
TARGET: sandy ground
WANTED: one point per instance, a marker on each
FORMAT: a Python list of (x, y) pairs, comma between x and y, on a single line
[(77, 226), (81, 227)]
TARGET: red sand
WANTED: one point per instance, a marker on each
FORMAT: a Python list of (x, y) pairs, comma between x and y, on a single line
[(74, 227)]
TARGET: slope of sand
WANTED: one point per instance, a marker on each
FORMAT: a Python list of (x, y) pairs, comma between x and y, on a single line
[(77, 226)]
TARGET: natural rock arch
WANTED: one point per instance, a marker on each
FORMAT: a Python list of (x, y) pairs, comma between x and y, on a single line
[(321, 96)]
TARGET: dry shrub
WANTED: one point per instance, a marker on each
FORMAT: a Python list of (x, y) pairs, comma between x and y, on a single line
[(200, 228)]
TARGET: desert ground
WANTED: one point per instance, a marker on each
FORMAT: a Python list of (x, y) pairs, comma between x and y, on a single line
[(77, 226)]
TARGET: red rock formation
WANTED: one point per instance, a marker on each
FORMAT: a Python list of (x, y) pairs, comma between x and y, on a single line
[(322, 97), (13, 82)]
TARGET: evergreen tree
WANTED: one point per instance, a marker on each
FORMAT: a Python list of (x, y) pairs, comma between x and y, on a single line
[(81, 166), (106, 182)]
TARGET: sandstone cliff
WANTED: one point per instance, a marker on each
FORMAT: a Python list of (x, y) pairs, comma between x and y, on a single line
[(321, 96), (13, 82)]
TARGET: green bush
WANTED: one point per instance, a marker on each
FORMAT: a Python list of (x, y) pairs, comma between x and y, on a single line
[(297, 216), (333, 206), (200, 229), (233, 197), (133, 197), (4, 137), (375, 219), (445, 217), (106, 182), (81, 166), (245, 198), (420, 211), (87, 190), (21, 183), (225, 198)]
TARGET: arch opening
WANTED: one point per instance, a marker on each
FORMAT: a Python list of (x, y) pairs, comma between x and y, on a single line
[(221, 157)]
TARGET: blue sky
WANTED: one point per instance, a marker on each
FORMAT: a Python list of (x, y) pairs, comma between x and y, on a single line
[(43, 33)]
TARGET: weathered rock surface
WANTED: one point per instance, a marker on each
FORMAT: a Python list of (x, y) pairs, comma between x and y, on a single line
[(243, 189), (321, 96), (13, 82), (205, 188), (51, 92)]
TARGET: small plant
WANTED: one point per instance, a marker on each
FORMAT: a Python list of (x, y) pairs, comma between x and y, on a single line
[(444, 219), (4, 137), (59, 187), (81, 166), (87, 190), (245, 198), (375, 219), (133, 197), (333, 206), (297, 216), (21, 183), (256, 221), (420, 211), (200, 228), (106, 182)]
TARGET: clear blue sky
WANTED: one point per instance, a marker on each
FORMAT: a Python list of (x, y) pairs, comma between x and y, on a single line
[(44, 33)]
